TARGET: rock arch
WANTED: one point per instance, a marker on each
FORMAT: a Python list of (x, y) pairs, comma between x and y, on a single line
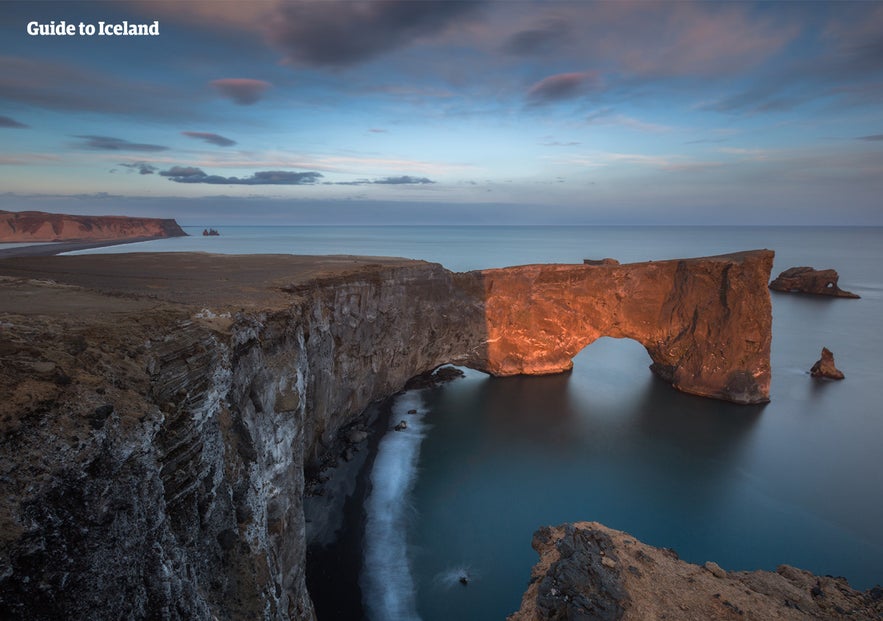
[(705, 322)]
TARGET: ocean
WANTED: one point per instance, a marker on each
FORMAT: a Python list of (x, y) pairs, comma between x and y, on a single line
[(489, 460)]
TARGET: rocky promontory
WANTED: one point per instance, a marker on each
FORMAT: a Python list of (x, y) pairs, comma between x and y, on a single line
[(589, 571), (39, 226), (157, 411)]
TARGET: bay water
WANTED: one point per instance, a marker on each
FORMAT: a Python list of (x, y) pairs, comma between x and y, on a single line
[(490, 460)]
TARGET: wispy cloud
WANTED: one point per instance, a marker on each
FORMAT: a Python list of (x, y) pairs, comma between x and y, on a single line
[(400, 180), (563, 86), (608, 116), (142, 168), (872, 138), (340, 34), (242, 91), (108, 143), (215, 139), (192, 174), (6, 121)]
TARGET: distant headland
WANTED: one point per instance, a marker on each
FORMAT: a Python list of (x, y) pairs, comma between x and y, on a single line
[(39, 226)]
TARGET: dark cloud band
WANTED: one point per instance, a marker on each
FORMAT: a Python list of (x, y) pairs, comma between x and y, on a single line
[(215, 139), (108, 143), (191, 174)]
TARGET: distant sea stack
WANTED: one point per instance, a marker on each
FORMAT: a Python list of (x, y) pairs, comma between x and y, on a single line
[(810, 280), (39, 226)]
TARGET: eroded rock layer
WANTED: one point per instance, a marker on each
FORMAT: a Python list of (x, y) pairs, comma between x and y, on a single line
[(703, 321), (589, 571), (158, 410), (38, 226)]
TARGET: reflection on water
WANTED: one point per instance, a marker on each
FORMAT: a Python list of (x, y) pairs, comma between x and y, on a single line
[(611, 443)]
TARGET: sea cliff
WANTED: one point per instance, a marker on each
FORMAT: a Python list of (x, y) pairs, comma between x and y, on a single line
[(38, 226), (158, 411)]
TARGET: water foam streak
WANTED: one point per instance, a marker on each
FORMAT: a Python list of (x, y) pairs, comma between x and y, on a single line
[(387, 583)]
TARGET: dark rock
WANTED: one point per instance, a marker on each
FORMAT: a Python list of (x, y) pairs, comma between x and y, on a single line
[(810, 280), (824, 366), (99, 415), (401, 426), (605, 261)]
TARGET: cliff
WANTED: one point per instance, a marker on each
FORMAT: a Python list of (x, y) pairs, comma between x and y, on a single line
[(157, 411), (38, 226), (589, 571)]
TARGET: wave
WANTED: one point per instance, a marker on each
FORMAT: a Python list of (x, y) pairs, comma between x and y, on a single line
[(387, 583)]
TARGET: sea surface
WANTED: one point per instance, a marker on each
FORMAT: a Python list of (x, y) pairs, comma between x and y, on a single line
[(486, 461)]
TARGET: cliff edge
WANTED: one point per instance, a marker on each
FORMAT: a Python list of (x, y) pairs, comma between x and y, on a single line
[(157, 411), (39, 226)]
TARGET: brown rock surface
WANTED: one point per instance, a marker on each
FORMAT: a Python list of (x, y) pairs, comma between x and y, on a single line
[(589, 571), (824, 366), (38, 226), (810, 280), (705, 322)]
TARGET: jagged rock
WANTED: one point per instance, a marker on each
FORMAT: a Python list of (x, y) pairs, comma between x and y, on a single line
[(573, 580), (824, 366), (165, 477), (810, 280), (38, 226)]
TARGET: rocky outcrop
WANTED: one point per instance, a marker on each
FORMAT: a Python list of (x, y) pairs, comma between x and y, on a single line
[(158, 411), (810, 280), (589, 571), (824, 366), (704, 322), (38, 226)]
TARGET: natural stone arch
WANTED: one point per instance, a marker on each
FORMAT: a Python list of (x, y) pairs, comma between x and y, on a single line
[(706, 322)]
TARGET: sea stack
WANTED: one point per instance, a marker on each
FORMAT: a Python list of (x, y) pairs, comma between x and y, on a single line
[(810, 280), (824, 366)]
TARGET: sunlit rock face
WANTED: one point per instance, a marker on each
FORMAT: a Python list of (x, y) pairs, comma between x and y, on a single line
[(38, 226), (706, 323)]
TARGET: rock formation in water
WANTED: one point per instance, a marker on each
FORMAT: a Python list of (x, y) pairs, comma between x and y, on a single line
[(703, 322), (38, 226), (589, 571), (824, 366), (810, 280), (157, 411)]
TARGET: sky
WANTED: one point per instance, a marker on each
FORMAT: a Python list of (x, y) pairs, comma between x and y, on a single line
[(417, 111)]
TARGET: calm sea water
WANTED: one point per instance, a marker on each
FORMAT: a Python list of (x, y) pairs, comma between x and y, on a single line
[(796, 481)]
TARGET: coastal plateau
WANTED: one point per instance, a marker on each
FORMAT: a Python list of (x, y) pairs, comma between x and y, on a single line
[(158, 410), (38, 226)]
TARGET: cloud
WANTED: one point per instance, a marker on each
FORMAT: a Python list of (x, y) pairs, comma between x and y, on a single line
[(340, 34), (215, 139), (191, 174), (142, 167), (400, 180), (243, 91), (108, 143), (6, 121), (403, 180), (65, 86), (377, 130), (874, 138), (539, 40), (610, 117), (562, 86)]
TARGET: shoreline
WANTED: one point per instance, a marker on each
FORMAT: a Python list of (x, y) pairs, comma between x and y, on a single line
[(48, 249)]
